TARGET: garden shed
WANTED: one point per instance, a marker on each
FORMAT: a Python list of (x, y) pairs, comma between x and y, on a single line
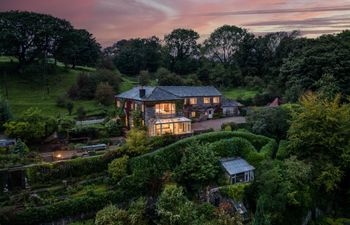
[(238, 170)]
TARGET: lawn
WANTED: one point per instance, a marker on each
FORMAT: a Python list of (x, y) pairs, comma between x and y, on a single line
[(240, 93), (30, 91)]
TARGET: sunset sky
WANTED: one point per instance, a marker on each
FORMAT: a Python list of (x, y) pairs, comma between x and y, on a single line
[(112, 20)]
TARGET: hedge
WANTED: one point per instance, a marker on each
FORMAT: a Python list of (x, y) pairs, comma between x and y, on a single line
[(69, 207), (253, 148), (282, 152), (46, 172)]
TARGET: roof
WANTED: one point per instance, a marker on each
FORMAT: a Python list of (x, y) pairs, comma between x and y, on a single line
[(160, 93), (192, 91), (152, 94), (172, 120), (275, 103), (226, 102), (236, 165)]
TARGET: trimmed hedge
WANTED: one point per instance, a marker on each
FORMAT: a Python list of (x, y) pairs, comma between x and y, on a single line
[(69, 207), (282, 152), (46, 172)]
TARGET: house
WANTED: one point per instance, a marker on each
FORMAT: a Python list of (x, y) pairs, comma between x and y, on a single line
[(170, 109), (238, 170)]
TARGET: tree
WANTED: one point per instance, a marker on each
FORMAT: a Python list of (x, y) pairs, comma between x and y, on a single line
[(133, 55), (20, 148), (78, 47), (117, 168), (144, 78), (198, 165), (328, 86), (29, 36), (136, 141), (81, 113), (70, 107), (104, 94), (181, 51), (224, 43), (174, 208), (269, 121), (31, 127), (5, 112), (284, 194), (320, 134), (111, 215)]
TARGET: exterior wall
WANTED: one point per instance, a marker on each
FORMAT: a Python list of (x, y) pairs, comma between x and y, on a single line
[(230, 111), (248, 176), (201, 108)]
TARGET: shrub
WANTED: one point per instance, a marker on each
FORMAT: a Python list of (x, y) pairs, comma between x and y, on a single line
[(5, 112), (61, 101), (235, 191), (110, 215), (117, 168), (104, 94), (137, 140), (81, 113), (282, 152)]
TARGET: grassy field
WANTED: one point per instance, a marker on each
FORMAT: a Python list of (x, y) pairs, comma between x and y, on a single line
[(240, 93), (30, 91)]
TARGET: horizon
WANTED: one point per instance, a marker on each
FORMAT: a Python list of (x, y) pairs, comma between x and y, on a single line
[(113, 20)]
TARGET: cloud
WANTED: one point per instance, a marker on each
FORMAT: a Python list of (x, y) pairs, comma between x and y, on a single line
[(279, 11)]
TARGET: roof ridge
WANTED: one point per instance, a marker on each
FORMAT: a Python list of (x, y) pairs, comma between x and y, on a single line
[(160, 87)]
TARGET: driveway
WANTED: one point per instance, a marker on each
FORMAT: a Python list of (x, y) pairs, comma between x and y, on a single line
[(216, 123)]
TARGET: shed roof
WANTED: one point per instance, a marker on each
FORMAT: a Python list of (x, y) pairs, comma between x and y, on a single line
[(226, 102), (236, 165)]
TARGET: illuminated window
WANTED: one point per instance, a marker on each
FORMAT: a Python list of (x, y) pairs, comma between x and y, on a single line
[(216, 100), (165, 108), (136, 106), (118, 103), (193, 114), (193, 101), (206, 100), (142, 108)]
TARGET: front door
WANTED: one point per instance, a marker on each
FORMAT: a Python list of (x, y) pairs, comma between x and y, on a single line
[(210, 113)]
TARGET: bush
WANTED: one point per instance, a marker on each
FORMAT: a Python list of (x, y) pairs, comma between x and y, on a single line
[(81, 113), (117, 168), (136, 141), (104, 94), (61, 101), (282, 152)]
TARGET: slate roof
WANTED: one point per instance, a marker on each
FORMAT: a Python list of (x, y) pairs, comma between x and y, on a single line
[(192, 91), (226, 102), (160, 93), (236, 165), (152, 94)]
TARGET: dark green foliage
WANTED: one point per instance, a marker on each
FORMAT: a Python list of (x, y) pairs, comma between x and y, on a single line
[(132, 56), (269, 121), (32, 126), (198, 165), (181, 50), (104, 94), (81, 113), (78, 47), (5, 112), (87, 83), (118, 168), (284, 192), (20, 148)]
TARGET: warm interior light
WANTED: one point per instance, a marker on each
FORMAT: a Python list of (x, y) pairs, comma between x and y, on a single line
[(59, 156)]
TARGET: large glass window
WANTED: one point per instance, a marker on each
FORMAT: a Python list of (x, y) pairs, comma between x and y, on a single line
[(216, 100), (206, 100), (165, 108), (172, 128)]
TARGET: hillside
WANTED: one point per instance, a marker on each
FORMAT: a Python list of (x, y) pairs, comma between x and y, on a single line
[(26, 91)]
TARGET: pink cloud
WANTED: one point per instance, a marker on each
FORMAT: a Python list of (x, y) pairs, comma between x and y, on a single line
[(112, 20)]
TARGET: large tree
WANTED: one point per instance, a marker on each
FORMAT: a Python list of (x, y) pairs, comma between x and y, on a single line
[(181, 50), (132, 56), (78, 47), (30, 36), (224, 43)]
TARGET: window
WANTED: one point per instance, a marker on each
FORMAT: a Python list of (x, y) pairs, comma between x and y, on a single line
[(142, 108), (172, 128), (193, 101), (206, 100), (165, 108), (118, 103), (193, 114), (216, 100), (135, 106)]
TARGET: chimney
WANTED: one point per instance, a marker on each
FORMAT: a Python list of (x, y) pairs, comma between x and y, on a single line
[(142, 92)]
